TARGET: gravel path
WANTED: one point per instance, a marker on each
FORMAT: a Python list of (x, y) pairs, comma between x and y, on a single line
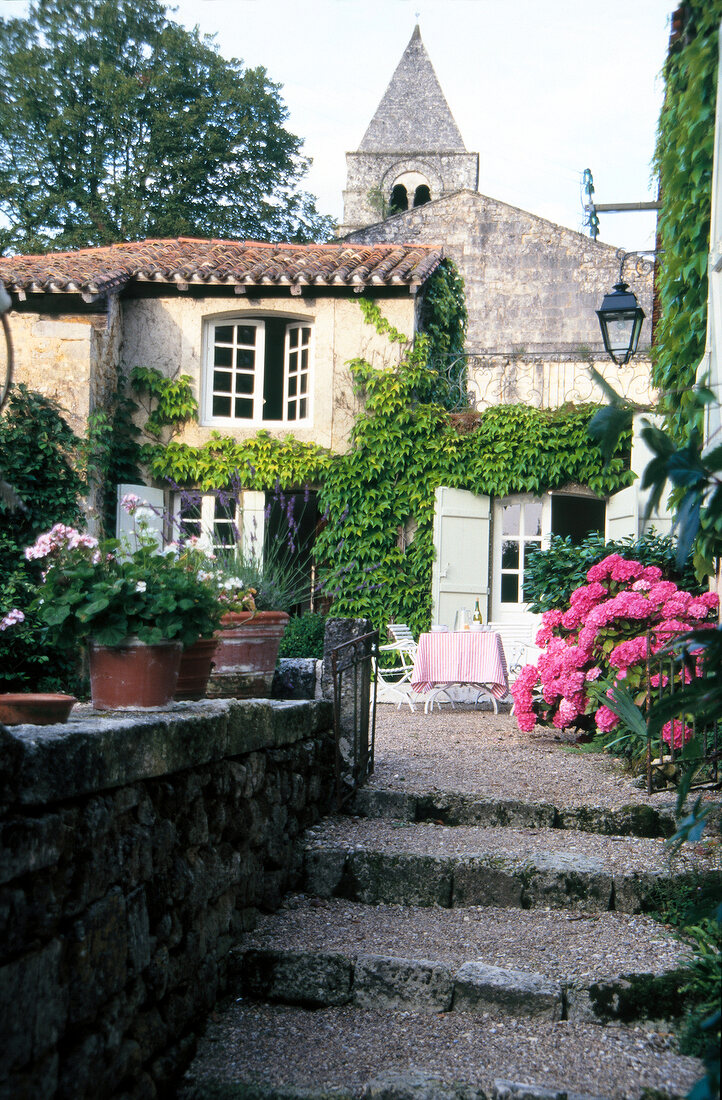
[(481, 753), (558, 944), (347, 1046), (617, 854)]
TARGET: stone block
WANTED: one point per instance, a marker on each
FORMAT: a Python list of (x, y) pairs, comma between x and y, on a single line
[(383, 803), (414, 1084), (493, 989), (33, 1005), (98, 956), (138, 930), (515, 1090), (373, 877), (487, 881), (29, 845), (297, 977), (418, 985), (323, 870), (638, 891), (564, 880)]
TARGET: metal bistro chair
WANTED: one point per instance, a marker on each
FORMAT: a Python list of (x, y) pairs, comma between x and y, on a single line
[(519, 648), (393, 685)]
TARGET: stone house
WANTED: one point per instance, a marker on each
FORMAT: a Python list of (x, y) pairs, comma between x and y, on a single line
[(264, 332), (532, 289)]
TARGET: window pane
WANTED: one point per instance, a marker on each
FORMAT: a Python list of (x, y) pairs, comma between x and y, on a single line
[(533, 518), (244, 409), (293, 385), (530, 548), (304, 359), (245, 359), (510, 519), (221, 406), (306, 335), (510, 555), (302, 408), (291, 410), (304, 383), (244, 383), (223, 357), (293, 363), (222, 381), (293, 338), (224, 334), (246, 334), (509, 588)]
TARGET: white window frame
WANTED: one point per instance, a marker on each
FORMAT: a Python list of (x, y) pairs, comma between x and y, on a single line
[(289, 400), (249, 520), (510, 610)]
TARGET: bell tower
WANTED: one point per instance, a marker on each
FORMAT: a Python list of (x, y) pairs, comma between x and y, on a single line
[(412, 151)]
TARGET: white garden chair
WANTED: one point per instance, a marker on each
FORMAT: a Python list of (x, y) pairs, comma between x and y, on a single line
[(393, 685)]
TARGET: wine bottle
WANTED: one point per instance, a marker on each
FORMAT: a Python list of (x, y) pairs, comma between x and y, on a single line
[(477, 613)]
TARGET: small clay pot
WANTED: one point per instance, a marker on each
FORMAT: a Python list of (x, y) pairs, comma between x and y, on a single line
[(41, 709)]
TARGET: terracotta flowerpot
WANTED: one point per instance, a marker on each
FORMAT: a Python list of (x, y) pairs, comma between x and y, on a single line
[(133, 674), (42, 709), (195, 668), (247, 653)]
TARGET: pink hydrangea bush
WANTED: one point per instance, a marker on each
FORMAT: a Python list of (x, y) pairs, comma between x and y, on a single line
[(603, 634)]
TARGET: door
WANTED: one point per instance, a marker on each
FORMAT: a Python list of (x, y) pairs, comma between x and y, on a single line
[(522, 524), (460, 573)]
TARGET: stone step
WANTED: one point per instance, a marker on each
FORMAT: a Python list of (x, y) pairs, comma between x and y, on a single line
[(279, 1052), (460, 808), (374, 861), (607, 967)]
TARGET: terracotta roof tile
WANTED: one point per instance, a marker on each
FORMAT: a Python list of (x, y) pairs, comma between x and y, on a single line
[(94, 271)]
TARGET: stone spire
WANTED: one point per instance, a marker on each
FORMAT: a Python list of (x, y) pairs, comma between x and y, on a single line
[(412, 151), (413, 115)]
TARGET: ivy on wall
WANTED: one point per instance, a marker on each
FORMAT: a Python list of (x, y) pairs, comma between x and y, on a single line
[(683, 159)]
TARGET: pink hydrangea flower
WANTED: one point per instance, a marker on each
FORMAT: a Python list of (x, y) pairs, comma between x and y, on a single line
[(606, 719)]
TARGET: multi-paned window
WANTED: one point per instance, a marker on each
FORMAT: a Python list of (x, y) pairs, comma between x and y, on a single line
[(258, 370)]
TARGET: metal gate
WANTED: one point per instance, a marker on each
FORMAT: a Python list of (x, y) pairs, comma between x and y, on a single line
[(353, 666)]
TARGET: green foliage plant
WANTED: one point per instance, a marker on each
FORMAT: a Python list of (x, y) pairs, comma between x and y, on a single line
[(118, 124), (444, 321), (110, 591), (43, 460), (683, 160), (304, 636), (170, 402), (112, 451)]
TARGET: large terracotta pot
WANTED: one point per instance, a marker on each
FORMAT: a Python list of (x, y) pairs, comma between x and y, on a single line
[(195, 668), (133, 674), (41, 709), (247, 653)]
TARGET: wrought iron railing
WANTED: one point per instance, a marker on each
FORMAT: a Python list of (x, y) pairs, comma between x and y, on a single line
[(353, 666)]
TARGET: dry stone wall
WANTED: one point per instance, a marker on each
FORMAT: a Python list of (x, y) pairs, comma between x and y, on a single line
[(132, 851)]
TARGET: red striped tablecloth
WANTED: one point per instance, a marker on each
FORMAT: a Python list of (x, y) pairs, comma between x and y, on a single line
[(461, 657)]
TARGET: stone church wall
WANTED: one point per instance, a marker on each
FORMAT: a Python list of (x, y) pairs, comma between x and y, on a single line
[(532, 287)]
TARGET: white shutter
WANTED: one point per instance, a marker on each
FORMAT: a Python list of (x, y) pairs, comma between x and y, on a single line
[(623, 514), (252, 524), (460, 573), (151, 512)]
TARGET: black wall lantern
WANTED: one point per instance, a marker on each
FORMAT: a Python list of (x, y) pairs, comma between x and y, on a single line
[(620, 320)]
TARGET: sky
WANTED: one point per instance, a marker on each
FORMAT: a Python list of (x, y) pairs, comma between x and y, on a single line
[(541, 89)]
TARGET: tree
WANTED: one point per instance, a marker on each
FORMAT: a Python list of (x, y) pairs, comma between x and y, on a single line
[(118, 124)]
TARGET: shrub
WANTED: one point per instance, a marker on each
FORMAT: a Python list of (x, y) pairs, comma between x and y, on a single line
[(603, 635), (552, 575), (303, 636)]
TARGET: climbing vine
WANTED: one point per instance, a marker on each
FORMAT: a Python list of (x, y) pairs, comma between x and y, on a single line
[(404, 446), (684, 161), (375, 551)]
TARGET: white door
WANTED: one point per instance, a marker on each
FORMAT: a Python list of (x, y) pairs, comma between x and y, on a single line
[(522, 524), (460, 574)]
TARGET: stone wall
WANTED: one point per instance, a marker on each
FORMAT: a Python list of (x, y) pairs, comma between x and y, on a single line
[(531, 286), (132, 850)]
